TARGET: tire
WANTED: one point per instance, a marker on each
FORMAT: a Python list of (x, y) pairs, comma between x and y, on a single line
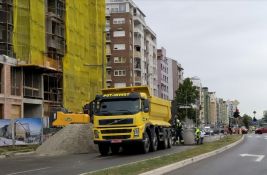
[(103, 149), (170, 140), (115, 149), (165, 142), (154, 142), (145, 144)]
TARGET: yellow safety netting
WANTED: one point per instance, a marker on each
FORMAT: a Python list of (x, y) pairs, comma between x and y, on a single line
[(85, 22), (29, 30)]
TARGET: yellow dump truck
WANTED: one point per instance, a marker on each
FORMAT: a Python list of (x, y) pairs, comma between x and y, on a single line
[(131, 116)]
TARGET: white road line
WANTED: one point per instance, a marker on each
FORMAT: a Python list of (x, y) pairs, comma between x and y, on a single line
[(27, 171), (259, 157)]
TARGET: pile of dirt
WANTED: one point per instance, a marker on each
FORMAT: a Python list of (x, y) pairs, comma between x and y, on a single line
[(72, 139)]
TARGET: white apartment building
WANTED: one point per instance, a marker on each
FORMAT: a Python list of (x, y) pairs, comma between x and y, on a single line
[(163, 76)]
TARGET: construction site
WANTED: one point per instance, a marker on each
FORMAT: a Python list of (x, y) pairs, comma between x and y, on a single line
[(52, 54)]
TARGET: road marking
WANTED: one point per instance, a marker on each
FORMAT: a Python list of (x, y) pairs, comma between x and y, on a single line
[(27, 171), (259, 157)]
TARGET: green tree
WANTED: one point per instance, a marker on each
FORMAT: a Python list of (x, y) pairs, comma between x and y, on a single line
[(186, 95), (247, 120)]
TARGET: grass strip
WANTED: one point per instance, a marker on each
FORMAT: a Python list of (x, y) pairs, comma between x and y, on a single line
[(147, 165), (17, 149)]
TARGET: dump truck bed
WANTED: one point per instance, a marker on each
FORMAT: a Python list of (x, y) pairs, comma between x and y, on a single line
[(159, 109)]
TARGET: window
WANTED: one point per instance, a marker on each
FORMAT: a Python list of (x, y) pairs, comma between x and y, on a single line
[(119, 73), (15, 111), (115, 10), (15, 81), (119, 21), (119, 33), (119, 60), (119, 46)]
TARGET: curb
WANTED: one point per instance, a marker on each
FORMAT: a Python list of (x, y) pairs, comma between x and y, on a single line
[(16, 154), (177, 165)]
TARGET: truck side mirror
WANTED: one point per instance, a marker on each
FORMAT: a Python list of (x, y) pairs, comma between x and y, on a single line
[(146, 105)]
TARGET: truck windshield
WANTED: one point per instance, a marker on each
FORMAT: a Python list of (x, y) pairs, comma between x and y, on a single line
[(118, 107)]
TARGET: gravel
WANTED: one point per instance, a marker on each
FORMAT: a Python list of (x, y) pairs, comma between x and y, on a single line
[(72, 139)]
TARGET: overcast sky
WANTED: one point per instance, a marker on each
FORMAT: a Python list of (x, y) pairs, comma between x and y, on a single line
[(223, 42)]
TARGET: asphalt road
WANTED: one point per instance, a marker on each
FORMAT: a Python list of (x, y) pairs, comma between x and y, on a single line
[(248, 158), (80, 163), (74, 164)]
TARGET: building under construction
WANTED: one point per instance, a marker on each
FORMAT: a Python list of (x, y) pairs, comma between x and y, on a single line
[(51, 52)]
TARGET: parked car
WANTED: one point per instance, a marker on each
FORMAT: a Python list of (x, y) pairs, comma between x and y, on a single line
[(261, 130), (208, 130)]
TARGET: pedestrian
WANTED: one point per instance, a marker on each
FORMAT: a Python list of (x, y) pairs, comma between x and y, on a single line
[(202, 135)]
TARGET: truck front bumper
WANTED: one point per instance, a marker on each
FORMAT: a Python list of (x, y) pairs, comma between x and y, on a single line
[(118, 141)]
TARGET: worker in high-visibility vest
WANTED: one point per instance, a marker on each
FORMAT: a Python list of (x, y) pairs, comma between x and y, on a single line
[(197, 135), (179, 131)]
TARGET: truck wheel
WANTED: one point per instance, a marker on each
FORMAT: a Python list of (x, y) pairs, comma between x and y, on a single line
[(103, 149), (115, 149), (164, 143), (154, 142), (145, 144), (170, 142)]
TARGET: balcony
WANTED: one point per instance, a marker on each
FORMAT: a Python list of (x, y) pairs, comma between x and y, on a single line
[(109, 65), (137, 65), (53, 63), (56, 42), (107, 13), (137, 42), (138, 19), (108, 39), (108, 51), (137, 79), (137, 54), (138, 30), (109, 78)]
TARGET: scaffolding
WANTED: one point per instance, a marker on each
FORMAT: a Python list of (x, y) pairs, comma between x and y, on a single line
[(59, 40), (6, 27)]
